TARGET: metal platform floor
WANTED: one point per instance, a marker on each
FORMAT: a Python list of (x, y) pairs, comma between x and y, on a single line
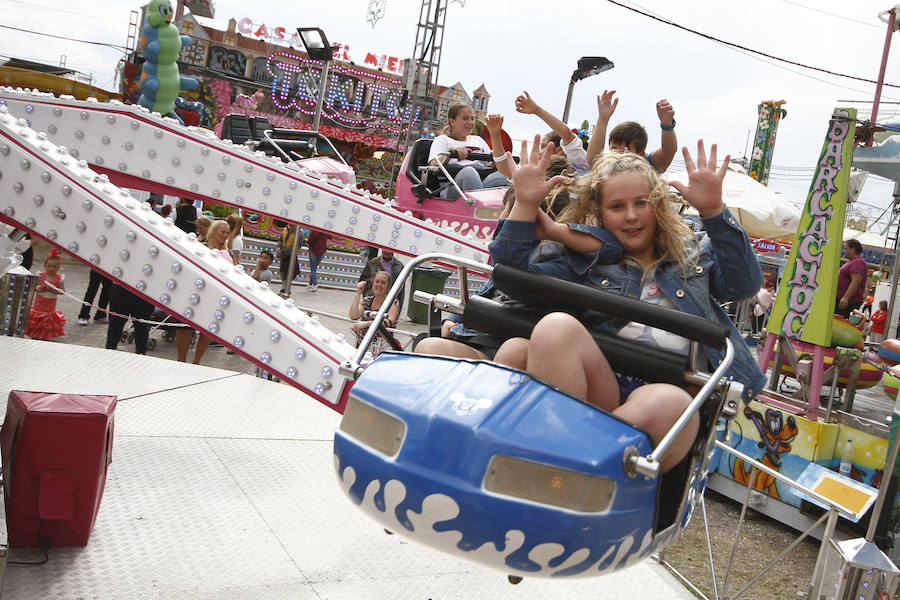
[(222, 486)]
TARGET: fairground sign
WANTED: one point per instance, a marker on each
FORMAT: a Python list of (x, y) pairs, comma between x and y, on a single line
[(805, 303)]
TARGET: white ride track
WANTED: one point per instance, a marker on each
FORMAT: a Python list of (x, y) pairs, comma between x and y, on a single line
[(48, 187)]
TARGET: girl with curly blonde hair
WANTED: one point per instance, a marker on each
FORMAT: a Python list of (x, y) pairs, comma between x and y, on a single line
[(624, 236)]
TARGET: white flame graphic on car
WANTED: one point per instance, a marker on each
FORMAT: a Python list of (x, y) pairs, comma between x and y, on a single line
[(440, 507)]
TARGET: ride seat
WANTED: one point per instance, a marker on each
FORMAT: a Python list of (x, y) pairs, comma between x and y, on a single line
[(258, 126), (427, 182), (236, 127)]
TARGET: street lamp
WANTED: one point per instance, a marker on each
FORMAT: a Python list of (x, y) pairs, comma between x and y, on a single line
[(587, 66), (317, 47)]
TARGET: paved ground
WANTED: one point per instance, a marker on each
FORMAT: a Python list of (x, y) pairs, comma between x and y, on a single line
[(328, 300)]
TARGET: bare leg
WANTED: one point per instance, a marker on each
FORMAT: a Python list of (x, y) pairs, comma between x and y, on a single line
[(202, 345), (654, 408), (445, 347), (563, 353), (183, 342), (513, 353)]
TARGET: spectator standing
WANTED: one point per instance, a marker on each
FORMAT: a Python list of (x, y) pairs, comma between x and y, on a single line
[(123, 303), (186, 215), (317, 242), (45, 322), (851, 280), (285, 249), (95, 281), (235, 244), (879, 319)]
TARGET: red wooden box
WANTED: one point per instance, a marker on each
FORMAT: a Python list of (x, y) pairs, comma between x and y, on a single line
[(56, 451)]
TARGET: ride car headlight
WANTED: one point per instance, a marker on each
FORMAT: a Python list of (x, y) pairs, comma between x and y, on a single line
[(373, 427), (488, 213), (547, 484)]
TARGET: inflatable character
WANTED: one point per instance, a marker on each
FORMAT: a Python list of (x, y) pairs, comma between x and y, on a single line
[(160, 42)]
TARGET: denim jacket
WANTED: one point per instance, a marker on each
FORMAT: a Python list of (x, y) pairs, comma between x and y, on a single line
[(723, 268)]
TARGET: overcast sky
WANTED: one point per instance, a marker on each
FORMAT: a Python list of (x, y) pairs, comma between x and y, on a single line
[(518, 45)]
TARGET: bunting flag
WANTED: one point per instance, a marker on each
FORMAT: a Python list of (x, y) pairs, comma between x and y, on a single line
[(770, 113)]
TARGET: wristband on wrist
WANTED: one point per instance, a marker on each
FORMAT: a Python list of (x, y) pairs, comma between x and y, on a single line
[(667, 127), (499, 159)]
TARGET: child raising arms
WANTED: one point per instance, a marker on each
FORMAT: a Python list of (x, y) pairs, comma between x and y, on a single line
[(457, 135), (44, 321), (662, 262)]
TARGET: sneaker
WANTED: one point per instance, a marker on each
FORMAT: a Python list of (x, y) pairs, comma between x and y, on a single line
[(101, 320), (313, 287), (82, 322)]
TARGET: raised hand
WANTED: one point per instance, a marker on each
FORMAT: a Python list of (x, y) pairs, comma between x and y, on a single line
[(606, 105), (665, 112), (524, 104), (703, 190), (494, 123), (529, 176)]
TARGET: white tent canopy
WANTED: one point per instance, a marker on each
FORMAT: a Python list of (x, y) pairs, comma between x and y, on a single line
[(868, 238), (761, 212)]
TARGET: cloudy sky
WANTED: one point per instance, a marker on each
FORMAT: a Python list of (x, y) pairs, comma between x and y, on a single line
[(533, 45)]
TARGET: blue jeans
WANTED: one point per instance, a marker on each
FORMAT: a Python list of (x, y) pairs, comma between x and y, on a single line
[(313, 265), (469, 179)]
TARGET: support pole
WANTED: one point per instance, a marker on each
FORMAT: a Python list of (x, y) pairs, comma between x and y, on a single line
[(323, 81), (884, 56), (565, 116), (295, 250), (895, 267)]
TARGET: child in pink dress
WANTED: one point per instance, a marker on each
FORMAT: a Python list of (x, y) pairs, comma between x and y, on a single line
[(44, 321)]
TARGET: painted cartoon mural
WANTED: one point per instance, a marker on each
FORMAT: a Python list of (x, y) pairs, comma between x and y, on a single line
[(788, 443), (775, 438)]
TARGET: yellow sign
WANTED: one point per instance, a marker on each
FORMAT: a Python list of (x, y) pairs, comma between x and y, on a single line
[(804, 307)]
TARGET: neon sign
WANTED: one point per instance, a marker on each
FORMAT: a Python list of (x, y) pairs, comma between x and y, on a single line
[(352, 97), (288, 37)]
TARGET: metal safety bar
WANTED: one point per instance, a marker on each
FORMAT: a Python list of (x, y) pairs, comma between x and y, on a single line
[(353, 367), (834, 510), (645, 465), (649, 465), (313, 147)]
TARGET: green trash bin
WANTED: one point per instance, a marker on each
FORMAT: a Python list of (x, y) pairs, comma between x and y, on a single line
[(427, 279)]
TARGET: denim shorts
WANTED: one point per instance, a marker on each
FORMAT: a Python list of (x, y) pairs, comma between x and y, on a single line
[(627, 384)]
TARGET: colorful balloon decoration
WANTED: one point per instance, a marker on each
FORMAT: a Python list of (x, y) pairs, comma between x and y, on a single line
[(892, 382), (161, 43), (889, 351)]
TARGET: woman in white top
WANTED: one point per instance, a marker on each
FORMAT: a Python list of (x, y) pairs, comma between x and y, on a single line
[(235, 243), (457, 135)]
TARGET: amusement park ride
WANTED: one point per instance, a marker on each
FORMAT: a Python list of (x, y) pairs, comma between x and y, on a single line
[(60, 185), (469, 457)]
